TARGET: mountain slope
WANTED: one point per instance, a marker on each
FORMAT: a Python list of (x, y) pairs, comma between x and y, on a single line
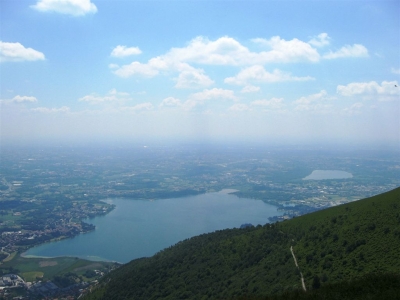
[(337, 244)]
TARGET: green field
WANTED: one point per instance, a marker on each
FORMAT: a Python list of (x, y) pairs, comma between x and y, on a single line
[(47, 268)]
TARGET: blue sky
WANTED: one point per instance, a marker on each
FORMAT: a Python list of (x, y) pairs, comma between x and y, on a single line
[(279, 71)]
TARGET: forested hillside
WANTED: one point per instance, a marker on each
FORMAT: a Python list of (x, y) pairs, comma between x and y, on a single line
[(336, 250)]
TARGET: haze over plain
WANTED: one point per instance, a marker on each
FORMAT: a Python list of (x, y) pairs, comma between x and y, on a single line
[(304, 71)]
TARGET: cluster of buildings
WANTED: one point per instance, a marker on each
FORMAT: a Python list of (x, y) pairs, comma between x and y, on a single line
[(12, 241), (46, 290), (51, 291), (10, 281), (60, 223)]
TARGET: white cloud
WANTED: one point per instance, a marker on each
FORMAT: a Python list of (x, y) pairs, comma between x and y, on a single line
[(112, 97), (354, 109), (223, 51), (274, 103), (239, 107), (189, 77), (68, 7), (135, 68), (387, 91), (20, 99), (193, 78), (228, 51), (250, 89), (212, 94), (113, 66), (321, 40), (395, 71), (139, 107), (259, 74), (123, 51), (322, 95), (171, 102), (286, 51), (316, 102), (356, 50), (63, 109), (17, 52), (115, 92)]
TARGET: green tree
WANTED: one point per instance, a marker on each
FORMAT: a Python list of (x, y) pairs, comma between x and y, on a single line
[(316, 284)]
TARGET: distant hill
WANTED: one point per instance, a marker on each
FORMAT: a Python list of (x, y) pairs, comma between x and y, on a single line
[(339, 251)]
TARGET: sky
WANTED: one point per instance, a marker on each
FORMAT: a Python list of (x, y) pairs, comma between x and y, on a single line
[(221, 70)]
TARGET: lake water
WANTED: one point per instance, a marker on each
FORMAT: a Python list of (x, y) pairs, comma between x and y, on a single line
[(138, 228), (328, 174)]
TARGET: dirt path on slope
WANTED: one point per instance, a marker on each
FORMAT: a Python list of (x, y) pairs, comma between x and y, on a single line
[(297, 266)]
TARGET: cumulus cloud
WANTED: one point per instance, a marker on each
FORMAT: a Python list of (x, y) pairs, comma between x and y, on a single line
[(239, 107), (386, 91), (223, 51), (193, 78), (320, 40), (395, 71), (250, 89), (257, 73), (228, 51), (112, 96), (208, 94), (214, 93), (68, 7), (139, 107), (316, 102), (274, 103), (20, 99), (171, 102), (356, 50), (123, 51), (354, 109), (136, 68), (263, 104), (286, 51), (46, 110), (17, 52)]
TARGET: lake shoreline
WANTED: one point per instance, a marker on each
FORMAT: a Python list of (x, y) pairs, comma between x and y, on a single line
[(197, 215)]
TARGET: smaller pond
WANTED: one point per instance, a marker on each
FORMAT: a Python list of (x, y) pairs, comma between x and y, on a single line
[(328, 174)]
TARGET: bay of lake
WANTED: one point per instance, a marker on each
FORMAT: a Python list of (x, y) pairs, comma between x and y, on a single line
[(139, 228)]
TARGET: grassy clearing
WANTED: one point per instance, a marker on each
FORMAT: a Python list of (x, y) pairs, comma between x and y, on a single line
[(88, 267), (31, 276), (10, 217), (10, 257), (50, 267)]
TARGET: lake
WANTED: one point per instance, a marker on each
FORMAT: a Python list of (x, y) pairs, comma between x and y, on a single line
[(328, 174), (138, 228)]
